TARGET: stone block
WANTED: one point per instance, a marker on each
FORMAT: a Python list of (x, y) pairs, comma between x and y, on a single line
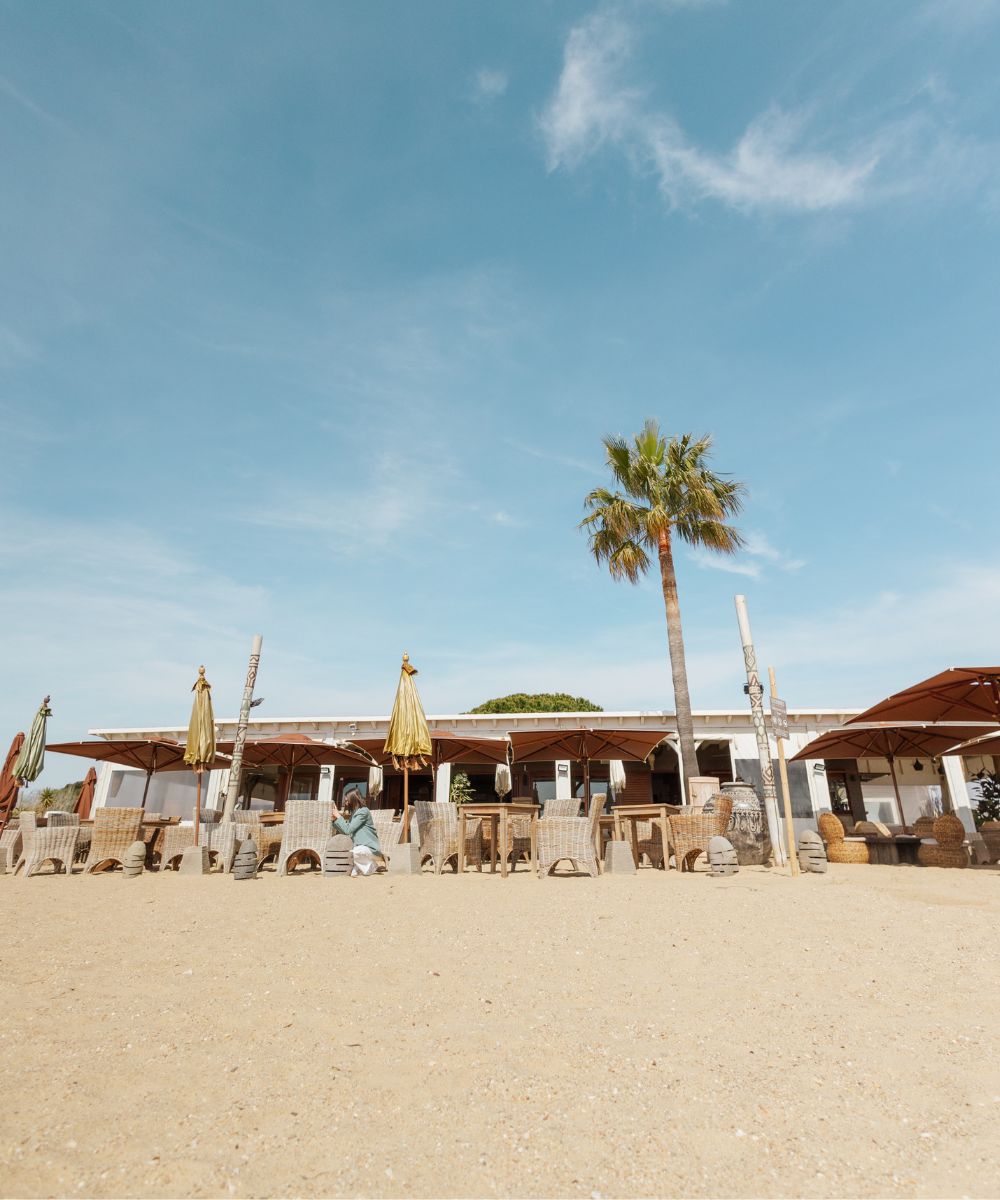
[(134, 860), (722, 858), (194, 861), (245, 862), (404, 859), (618, 859), (812, 852), (338, 857)]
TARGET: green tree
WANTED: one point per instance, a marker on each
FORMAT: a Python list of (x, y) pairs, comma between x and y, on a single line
[(461, 791), (537, 702), (663, 489)]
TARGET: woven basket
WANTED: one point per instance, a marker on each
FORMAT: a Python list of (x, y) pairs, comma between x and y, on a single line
[(830, 828), (847, 852), (942, 856), (948, 830), (923, 827)]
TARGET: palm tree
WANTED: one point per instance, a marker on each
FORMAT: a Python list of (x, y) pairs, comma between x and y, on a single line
[(663, 488)]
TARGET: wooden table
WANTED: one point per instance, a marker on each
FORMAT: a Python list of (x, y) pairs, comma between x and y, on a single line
[(499, 816), (659, 814)]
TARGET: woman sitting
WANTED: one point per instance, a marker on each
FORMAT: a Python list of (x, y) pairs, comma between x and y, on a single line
[(357, 823)]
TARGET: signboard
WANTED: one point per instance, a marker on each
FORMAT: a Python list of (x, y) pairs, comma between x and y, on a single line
[(779, 718)]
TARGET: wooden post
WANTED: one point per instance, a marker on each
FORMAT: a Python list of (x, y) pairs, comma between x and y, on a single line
[(405, 835), (895, 788), (755, 691), (793, 859), (197, 806), (236, 766)]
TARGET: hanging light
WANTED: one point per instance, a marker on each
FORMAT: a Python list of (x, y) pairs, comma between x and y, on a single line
[(918, 765)]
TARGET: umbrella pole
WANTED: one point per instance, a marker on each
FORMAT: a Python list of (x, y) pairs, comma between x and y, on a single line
[(149, 776), (895, 788), (406, 804), (586, 787), (197, 809)]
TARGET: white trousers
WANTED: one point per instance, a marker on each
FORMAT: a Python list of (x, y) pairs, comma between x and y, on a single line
[(364, 861)]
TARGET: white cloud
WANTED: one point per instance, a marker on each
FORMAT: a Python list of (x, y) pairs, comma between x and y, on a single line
[(959, 16), (771, 167), (756, 553), (490, 83)]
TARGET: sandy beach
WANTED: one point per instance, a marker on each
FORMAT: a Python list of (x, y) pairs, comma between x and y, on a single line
[(643, 1036)]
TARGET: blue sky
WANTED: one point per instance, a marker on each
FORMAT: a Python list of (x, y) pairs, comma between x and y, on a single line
[(314, 315)]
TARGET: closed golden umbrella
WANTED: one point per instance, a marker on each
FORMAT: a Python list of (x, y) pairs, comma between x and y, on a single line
[(408, 741), (199, 750)]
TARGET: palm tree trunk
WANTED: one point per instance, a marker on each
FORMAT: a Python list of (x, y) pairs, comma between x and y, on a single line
[(678, 667)]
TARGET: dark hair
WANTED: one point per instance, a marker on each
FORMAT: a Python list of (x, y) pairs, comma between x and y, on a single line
[(353, 800)]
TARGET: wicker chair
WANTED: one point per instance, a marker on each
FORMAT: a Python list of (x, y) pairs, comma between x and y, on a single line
[(948, 847), (56, 845), (115, 829), (561, 806), (307, 829), (923, 827), (219, 839), (437, 829), (10, 840), (840, 848), (650, 841), (56, 817), (571, 838), (693, 827), (387, 828)]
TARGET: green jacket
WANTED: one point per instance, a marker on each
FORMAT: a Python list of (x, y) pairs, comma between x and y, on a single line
[(360, 829)]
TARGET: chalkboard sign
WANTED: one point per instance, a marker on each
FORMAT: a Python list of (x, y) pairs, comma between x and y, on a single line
[(779, 718)]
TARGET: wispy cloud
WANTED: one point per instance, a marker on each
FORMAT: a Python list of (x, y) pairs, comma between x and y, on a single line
[(779, 163), (757, 554), (562, 460), (8, 89), (489, 83)]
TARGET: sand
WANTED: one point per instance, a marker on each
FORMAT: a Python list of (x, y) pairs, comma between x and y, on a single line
[(630, 1036)]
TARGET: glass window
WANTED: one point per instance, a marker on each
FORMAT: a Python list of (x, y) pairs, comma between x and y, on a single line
[(171, 793)]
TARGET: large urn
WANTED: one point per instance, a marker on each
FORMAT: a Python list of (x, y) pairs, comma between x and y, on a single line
[(748, 826)]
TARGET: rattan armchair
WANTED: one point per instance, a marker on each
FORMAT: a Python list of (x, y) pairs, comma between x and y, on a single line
[(840, 848), (693, 827), (56, 845), (10, 840), (572, 838), (948, 847), (307, 828), (57, 817), (437, 829), (115, 829), (387, 828)]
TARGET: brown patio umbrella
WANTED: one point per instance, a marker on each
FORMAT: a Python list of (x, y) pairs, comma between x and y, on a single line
[(584, 745), (958, 694), (8, 784), (85, 800), (293, 750), (151, 755), (889, 742), (980, 745)]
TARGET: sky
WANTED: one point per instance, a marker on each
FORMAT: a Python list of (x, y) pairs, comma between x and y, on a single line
[(314, 316)]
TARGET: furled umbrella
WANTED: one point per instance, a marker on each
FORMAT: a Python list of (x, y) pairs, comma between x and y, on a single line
[(85, 800), (408, 741), (151, 755), (376, 782), (199, 749), (502, 781), (9, 786), (889, 742), (32, 757), (960, 694), (616, 777)]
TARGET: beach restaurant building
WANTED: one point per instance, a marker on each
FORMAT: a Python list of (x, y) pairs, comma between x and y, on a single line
[(726, 749)]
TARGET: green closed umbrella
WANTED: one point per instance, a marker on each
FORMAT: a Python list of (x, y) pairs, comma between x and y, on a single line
[(199, 750), (32, 757)]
